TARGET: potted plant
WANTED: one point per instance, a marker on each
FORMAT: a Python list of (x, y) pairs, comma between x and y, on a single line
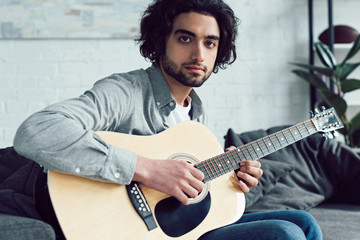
[(338, 76)]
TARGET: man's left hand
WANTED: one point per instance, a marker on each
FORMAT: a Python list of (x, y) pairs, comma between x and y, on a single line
[(249, 173)]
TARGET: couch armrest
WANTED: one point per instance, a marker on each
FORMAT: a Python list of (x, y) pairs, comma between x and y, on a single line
[(14, 228)]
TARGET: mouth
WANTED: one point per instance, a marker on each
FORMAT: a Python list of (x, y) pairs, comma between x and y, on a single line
[(195, 69)]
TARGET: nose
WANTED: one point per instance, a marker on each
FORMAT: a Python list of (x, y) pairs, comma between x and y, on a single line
[(198, 52)]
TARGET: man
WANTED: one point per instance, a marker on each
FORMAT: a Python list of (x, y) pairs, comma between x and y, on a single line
[(186, 40)]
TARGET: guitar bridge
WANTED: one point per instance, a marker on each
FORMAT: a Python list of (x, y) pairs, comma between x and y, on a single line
[(140, 205)]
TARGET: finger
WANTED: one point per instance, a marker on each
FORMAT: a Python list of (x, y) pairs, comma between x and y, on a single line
[(230, 148), (250, 163), (198, 185), (248, 179), (253, 171), (197, 173), (181, 196), (244, 187), (190, 191)]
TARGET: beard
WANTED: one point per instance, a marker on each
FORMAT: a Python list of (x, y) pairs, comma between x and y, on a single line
[(185, 78)]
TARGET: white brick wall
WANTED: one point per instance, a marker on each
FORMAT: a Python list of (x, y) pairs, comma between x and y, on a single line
[(257, 91)]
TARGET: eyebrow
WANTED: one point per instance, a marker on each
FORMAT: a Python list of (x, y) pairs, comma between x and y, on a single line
[(184, 31)]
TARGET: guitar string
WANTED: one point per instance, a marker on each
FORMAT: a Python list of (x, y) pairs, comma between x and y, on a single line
[(222, 157), (219, 165)]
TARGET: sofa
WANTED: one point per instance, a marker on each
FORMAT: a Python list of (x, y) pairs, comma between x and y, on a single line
[(315, 174)]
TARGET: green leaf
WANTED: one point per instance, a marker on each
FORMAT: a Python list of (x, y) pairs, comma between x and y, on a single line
[(354, 49), (344, 70), (349, 85), (333, 100), (325, 55), (355, 130), (355, 122), (325, 71), (312, 79)]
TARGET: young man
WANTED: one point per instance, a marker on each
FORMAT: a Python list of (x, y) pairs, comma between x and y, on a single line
[(186, 40)]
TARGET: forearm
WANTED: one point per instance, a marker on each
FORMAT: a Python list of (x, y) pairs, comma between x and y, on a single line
[(62, 142)]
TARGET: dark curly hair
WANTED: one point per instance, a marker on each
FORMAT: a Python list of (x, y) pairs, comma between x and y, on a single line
[(157, 22)]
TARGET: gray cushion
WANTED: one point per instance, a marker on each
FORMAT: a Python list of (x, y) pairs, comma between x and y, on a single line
[(338, 221), (15, 228), (272, 172)]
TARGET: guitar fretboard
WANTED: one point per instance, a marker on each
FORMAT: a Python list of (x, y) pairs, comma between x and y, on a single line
[(229, 161)]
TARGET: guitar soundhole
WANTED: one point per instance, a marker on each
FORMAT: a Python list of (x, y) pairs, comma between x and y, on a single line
[(176, 219)]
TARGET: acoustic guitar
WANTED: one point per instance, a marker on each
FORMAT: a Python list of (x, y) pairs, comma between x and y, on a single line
[(88, 209)]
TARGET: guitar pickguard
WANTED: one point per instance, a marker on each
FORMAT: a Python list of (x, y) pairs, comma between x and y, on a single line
[(176, 219)]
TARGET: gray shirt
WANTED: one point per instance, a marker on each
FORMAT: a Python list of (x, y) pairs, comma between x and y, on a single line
[(62, 136)]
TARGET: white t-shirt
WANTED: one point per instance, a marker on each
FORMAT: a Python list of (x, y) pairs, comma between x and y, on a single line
[(179, 114)]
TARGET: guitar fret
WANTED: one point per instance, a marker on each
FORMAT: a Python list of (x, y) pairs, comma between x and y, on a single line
[(290, 138), (276, 144), (235, 157), (306, 128), (301, 131), (271, 144), (216, 173), (292, 135), (220, 164), (266, 145), (295, 133), (211, 167), (284, 137), (242, 152), (208, 174), (249, 156), (307, 132), (278, 140), (251, 152), (263, 147), (298, 130), (258, 149), (227, 161)]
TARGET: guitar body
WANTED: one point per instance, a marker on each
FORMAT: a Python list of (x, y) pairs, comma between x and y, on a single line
[(88, 209)]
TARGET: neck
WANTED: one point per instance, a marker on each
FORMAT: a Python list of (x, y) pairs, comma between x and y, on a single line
[(179, 91)]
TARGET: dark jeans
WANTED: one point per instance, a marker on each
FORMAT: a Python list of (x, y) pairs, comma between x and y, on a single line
[(280, 225)]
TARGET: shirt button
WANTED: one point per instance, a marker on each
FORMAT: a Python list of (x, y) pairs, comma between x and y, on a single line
[(77, 170), (117, 175), (171, 104), (158, 103)]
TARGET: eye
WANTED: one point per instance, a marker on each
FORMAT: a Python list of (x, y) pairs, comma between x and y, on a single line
[(210, 44), (184, 39)]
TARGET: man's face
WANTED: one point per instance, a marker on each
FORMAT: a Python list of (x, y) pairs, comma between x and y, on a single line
[(191, 49)]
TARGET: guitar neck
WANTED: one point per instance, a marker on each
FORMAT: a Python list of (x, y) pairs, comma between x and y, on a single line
[(229, 161)]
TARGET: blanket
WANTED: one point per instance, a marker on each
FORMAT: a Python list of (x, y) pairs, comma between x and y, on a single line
[(302, 175)]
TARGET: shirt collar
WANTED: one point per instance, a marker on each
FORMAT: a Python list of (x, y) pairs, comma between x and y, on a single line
[(162, 93)]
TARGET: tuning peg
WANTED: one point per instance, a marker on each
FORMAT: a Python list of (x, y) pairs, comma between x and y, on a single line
[(329, 135), (326, 136), (311, 113)]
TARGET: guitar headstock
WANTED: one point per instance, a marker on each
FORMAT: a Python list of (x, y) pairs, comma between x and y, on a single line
[(327, 120)]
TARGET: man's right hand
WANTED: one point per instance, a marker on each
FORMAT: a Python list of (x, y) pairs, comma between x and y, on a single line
[(175, 177)]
